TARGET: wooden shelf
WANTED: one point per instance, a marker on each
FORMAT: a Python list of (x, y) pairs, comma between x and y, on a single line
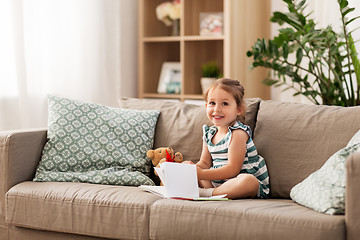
[(184, 38), (190, 49), (203, 38), (161, 39), (158, 95), (196, 97)]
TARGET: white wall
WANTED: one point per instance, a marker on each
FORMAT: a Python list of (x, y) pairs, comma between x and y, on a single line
[(128, 66)]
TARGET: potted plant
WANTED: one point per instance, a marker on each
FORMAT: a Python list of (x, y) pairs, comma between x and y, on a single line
[(317, 62), (210, 72)]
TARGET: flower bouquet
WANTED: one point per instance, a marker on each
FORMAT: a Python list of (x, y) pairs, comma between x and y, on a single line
[(167, 12)]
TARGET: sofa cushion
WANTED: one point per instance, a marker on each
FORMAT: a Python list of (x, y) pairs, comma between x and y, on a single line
[(242, 219), (181, 123), (97, 144), (296, 139), (324, 190), (90, 209), (33, 234)]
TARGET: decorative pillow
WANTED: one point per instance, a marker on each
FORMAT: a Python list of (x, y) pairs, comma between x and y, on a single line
[(324, 190), (97, 144)]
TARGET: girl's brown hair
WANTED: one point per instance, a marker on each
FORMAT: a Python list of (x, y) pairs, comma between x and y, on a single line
[(233, 87)]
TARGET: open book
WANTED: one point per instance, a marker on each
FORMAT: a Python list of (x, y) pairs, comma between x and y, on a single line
[(180, 182)]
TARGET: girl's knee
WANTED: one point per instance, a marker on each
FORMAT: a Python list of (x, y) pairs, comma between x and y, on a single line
[(247, 177), (250, 182)]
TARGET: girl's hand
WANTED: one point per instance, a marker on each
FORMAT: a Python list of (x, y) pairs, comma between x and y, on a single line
[(188, 162)]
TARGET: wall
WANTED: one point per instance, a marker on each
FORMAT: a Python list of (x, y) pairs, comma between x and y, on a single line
[(128, 47), (249, 21)]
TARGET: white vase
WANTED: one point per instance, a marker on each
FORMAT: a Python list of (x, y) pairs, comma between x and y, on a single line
[(206, 83), (176, 27)]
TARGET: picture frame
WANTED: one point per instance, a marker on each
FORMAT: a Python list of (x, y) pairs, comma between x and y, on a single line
[(211, 24), (170, 78)]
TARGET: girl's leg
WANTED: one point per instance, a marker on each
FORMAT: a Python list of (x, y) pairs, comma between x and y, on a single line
[(205, 184), (243, 186)]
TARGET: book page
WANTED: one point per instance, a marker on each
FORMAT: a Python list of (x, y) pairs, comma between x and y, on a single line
[(180, 180), (160, 173), (158, 190)]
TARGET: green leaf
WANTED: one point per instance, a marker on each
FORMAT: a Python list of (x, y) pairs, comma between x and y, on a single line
[(355, 60), (263, 45), (270, 82), (351, 20), (285, 50), (302, 3), (310, 93), (278, 17), (275, 51), (289, 18), (346, 11), (343, 3), (310, 68), (270, 48), (299, 55)]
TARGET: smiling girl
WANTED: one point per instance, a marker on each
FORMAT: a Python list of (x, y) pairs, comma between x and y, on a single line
[(229, 163)]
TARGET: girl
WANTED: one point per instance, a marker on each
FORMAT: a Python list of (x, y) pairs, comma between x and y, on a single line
[(229, 163)]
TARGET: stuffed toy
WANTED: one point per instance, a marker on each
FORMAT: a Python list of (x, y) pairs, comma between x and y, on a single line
[(164, 154)]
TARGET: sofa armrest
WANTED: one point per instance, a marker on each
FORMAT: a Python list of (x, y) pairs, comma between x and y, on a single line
[(20, 153), (352, 207)]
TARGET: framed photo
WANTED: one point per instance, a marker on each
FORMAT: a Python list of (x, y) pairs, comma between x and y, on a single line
[(211, 24), (170, 78)]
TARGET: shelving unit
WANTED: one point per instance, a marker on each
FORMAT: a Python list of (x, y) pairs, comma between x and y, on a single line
[(156, 46)]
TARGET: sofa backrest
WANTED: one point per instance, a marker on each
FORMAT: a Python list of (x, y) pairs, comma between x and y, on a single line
[(296, 139), (180, 125)]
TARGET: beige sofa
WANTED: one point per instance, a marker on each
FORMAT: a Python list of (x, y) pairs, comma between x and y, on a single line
[(294, 139)]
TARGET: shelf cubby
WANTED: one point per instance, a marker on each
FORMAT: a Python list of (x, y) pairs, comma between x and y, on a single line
[(192, 50)]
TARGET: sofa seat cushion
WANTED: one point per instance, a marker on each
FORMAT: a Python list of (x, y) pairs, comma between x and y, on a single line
[(242, 219), (81, 208)]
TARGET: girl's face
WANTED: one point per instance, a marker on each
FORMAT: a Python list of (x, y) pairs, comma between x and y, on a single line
[(221, 107)]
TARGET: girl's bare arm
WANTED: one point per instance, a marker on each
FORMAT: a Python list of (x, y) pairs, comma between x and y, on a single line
[(205, 159), (236, 154)]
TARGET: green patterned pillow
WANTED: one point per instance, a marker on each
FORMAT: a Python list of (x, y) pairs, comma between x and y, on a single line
[(324, 190), (96, 144)]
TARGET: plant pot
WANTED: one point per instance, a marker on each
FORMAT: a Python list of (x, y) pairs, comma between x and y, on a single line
[(206, 83)]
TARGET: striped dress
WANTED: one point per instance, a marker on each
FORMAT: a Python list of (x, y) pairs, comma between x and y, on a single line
[(253, 164)]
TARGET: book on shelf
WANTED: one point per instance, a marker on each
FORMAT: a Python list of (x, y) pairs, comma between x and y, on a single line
[(180, 182)]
